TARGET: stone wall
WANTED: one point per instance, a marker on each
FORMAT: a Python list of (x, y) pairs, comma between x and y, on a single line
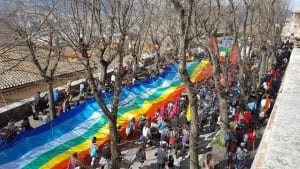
[(279, 147), (18, 110)]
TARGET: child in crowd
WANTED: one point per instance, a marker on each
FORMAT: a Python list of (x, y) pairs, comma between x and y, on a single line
[(94, 151)]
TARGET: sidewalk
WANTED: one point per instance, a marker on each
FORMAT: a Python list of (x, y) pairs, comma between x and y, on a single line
[(220, 157), (151, 162), (219, 154), (37, 123)]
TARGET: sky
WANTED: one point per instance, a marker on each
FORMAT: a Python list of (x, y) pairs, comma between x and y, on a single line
[(295, 4)]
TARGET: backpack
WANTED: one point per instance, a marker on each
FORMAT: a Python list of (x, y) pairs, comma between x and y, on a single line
[(142, 123), (130, 128), (171, 161), (227, 136), (161, 126), (185, 139), (165, 133), (93, 151), (127, 131)]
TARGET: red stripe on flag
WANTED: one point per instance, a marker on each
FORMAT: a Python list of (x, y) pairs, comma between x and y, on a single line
[(234, 54)]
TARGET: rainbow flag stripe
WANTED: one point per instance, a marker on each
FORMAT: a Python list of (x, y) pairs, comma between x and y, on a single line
[(51, 145)]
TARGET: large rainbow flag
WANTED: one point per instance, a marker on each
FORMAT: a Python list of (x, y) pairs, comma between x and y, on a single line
[(51, 145)]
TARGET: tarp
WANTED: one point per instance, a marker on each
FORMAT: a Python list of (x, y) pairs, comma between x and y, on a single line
[(51, 145)]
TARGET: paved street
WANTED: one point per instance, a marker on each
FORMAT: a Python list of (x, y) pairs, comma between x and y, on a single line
[(219, 154), (129, 153)]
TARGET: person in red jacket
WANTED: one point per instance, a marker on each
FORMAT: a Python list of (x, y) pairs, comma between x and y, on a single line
[(247, 117), (231, 149), (251, 138)]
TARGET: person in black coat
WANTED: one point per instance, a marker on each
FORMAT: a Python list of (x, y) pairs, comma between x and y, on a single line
[(26, 124)]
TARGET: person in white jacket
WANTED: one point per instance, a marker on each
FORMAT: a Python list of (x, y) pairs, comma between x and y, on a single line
[(177, 160), (146, 132)]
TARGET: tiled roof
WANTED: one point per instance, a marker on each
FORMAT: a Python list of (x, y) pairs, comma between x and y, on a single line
[(25, 72)]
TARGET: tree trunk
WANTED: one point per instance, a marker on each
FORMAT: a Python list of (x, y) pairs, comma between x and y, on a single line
[(115, 154), (136, 64), (242, 80), (271, 59), (194, 134), (111, 115), (223, 123), (104, 72), (103, 69), (157, 62), (115, 106), (223, 111), (254, 79), (243, 88), (262, 66), (52, 111), (182, 49), (220, 93)]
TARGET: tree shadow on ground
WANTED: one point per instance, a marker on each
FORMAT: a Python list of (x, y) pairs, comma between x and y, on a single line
[(151, 166)]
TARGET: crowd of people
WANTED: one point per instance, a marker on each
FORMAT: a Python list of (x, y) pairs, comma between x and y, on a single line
[(247, 118), (169, 129), (9, 131)]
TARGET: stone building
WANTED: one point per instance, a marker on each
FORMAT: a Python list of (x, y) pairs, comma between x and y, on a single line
[(292, 25)]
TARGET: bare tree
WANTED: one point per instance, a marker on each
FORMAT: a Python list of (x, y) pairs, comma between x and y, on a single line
[(92, 25), (105, 32), (158, 33), (184, 13), (237, 18), (206, 22), (262, 22), (138, 33), (31, 35)]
